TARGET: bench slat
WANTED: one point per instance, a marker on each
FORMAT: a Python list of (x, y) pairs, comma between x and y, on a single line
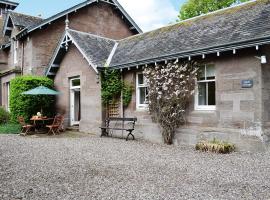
[(126, 129), (122, 119)]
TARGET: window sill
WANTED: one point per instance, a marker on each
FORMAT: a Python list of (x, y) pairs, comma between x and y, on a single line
[(142, 108)]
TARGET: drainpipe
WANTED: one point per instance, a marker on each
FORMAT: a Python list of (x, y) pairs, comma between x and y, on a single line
[(22, 64)]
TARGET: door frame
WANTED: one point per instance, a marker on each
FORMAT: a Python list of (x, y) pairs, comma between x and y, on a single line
[(73, 89)]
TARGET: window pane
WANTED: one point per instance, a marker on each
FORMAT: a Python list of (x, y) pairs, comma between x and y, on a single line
[(211, 93), (143, 93), (202, 73), (140, 79), (76, 82), (202, 94), (210, 72)]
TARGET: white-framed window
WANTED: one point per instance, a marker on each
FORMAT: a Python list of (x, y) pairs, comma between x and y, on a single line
[(205, 96), (141, 92), (15, 55), (75, 83)]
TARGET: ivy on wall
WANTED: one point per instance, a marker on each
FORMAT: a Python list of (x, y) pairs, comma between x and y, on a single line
[(112, 87)]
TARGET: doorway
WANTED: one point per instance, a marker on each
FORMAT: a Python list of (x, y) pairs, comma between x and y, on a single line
[(75, 101)]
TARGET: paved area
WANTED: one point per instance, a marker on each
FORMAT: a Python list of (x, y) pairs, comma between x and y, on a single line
[(88, 167)]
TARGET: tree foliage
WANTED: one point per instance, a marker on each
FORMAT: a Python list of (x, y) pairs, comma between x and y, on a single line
[(193, 8), (171, 87), (29, 105)]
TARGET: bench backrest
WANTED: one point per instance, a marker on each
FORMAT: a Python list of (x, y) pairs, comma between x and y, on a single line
[(120, 122)]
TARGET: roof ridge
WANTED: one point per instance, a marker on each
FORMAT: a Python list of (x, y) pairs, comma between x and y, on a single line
[(74, 8), (194, 18), (98, 36)]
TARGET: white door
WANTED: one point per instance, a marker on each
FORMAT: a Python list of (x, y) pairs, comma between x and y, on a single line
[(75, 102)]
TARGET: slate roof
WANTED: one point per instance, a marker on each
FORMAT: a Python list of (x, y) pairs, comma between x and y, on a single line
[(96, 49), (233, 27), (23, 20)]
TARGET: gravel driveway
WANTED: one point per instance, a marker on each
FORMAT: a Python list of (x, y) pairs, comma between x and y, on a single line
[(89, 167)]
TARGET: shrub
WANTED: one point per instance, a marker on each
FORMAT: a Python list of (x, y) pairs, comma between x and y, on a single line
[(29, 105), (170, 89), (10, 129), (215, 146), (4, 116)]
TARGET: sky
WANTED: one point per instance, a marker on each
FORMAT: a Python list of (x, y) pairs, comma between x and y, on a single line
[(148, 14)]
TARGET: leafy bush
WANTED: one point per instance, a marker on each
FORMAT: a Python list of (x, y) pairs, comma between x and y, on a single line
[(4, 116), (10, 129), (215, 146), (29, 105)]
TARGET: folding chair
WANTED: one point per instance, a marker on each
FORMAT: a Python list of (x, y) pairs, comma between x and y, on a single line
[(25, 127), (56, 126)]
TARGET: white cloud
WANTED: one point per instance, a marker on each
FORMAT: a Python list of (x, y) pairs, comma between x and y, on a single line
[(150, 14)]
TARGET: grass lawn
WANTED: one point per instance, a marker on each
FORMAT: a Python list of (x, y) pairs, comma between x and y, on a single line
[(10, 129)]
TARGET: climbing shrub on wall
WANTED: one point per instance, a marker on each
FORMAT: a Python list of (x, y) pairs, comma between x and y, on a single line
[(112, 86), (170, 88), (29, 105)]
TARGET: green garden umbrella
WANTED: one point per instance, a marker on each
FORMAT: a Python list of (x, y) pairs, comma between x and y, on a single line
[(41, 90)]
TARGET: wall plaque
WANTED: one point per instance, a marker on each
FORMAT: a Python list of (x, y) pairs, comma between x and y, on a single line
[(247, 83)]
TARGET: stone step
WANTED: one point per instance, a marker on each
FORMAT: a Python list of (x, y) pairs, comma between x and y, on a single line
[(73, 128)]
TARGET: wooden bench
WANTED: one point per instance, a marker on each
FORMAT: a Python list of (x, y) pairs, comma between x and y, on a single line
[(121, 124)]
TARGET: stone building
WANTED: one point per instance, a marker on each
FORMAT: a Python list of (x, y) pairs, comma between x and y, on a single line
[(31, 41), (231, 101)]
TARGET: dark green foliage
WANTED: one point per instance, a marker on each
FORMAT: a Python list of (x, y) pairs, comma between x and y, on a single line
[(193, 8), (127, 93), (4, 116), (112, 87), (29, 105), (10, 129)]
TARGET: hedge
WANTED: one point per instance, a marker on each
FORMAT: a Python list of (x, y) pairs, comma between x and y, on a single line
[(29, 105)]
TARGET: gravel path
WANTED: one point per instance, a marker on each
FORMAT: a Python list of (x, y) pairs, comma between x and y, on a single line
[(105, 168)]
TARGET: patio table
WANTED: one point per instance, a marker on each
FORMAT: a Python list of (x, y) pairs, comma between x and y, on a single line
[(37, 122)]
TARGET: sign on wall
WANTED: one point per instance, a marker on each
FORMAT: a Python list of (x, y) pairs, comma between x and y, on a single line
[(247, 83)]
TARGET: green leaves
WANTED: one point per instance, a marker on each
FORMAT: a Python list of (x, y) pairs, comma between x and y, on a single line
[(112, 87), (29, 105), (193, 8), (4, 116)]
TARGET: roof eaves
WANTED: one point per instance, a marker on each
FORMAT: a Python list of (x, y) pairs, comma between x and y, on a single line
[(12, 3), (10, 71), (6, 23), (197, 52), (72, 9), (54, 17), (55, 54), (127, 16), (4, 46)]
